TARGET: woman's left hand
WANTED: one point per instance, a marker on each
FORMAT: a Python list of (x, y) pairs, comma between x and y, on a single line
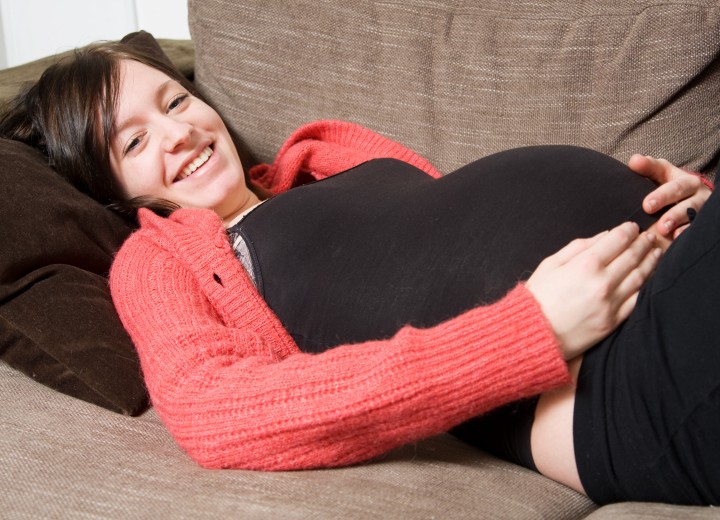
[(676, 187)]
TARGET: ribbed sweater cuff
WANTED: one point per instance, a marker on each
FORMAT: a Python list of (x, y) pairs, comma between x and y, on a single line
[(507, 352)]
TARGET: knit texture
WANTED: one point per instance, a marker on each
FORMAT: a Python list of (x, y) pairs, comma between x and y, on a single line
[(235, 391)]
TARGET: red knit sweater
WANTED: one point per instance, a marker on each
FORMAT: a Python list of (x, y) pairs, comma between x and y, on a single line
[(235, 391)]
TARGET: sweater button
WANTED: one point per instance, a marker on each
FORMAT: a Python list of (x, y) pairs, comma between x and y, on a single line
[(221, 239)]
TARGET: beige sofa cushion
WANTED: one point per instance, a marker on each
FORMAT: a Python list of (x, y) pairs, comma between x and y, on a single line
[(459, 80)]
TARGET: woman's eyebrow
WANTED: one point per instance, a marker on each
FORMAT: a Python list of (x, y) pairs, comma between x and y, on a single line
[(159, 95)]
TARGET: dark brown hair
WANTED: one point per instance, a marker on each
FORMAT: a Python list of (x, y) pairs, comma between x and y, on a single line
[(69, 115)]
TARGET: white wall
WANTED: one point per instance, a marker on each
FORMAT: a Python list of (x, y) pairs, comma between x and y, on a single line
[(31, 29)]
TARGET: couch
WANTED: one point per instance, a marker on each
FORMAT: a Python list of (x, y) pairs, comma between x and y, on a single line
[(453, 80)]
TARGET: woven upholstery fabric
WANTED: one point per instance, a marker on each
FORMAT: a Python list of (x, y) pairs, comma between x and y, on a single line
[(459, 80)]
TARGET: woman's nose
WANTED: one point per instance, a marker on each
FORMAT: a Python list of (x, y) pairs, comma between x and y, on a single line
[(176, 133)]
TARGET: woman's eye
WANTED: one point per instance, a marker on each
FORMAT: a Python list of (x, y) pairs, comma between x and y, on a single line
[(134, 142), (177, 101)]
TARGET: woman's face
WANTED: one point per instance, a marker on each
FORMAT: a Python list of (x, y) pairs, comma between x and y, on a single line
[(170, 145)]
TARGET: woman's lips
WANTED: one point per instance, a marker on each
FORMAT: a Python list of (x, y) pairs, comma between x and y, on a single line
[(195, 164)]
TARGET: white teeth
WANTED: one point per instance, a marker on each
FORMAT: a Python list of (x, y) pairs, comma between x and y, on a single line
[(195, 164)]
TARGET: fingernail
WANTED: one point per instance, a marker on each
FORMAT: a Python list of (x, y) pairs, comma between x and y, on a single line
[(652, 205), (667, 225), (691, 213)]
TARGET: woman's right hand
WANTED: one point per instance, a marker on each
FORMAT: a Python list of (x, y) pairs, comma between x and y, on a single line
[(591, 285)]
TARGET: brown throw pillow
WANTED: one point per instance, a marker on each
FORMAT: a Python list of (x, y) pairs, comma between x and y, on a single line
[(57, 321)]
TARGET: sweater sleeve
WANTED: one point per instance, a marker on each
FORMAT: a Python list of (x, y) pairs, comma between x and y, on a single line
[(240, 397)]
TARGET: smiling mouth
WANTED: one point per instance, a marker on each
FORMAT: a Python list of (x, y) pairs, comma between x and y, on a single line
[(195, 164)]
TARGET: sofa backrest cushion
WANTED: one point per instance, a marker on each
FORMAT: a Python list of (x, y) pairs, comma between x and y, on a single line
[(462, 79)]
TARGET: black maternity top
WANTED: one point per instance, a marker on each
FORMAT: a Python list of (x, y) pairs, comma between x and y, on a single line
[(358, 255)]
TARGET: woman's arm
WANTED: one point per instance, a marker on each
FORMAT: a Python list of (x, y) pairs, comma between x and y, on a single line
[(233, 395), (234, 390)]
